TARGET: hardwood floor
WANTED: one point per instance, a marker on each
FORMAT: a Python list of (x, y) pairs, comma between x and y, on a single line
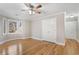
[(37, 47), (71, 47)]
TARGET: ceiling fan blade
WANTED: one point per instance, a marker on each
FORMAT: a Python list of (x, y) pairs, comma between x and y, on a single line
[(39, 6), (34, 8), (29, 5), (26, 5)]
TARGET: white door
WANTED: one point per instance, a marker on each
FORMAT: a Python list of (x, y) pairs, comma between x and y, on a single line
[(71, 29), (49, 29)]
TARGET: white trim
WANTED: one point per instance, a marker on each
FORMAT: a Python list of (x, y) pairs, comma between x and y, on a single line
[(46, 40), (60, 43), (13, 39), (36, 38), (48, 16)]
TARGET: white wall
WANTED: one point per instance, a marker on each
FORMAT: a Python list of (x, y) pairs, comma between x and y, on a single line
[(24, 29), (1, 28), (37, 29), (71, 28), (34, 29), (60, 28), (49, 29), (78, 28), (22, 32)]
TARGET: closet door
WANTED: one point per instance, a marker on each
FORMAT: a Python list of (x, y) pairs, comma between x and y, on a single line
[(71, 29), (1, 29), (49, 29)]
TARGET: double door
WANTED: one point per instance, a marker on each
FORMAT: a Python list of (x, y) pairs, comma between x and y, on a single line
[(49, 29)]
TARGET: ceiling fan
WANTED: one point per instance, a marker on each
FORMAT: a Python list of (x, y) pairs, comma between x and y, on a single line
[(33, 8)]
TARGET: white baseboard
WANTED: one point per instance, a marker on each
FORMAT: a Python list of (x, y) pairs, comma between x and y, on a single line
[(30, 37), (36, 38), (60, 43), (13, 39), (46, 40)]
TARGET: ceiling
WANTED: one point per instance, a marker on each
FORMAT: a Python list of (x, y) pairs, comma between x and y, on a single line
[(15, 10)]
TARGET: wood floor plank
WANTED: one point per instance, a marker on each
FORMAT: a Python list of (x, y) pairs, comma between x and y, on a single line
[(37, 47)]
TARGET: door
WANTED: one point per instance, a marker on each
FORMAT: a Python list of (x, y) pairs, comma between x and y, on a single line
[(71, 29), (49, 29)]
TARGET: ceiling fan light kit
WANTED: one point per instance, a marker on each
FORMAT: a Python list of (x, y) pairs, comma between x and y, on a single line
[(33, 9)]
